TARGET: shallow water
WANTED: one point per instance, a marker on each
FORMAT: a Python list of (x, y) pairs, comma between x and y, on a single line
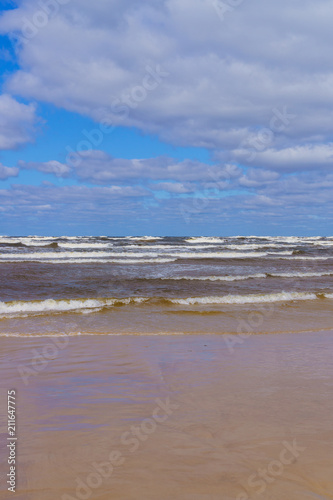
[(235, 415)]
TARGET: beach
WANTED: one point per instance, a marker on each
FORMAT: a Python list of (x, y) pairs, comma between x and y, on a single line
[(179, 416), (173, 368), (166, 250)]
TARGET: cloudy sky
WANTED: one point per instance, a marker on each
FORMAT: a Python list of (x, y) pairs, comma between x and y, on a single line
[(177, 117)]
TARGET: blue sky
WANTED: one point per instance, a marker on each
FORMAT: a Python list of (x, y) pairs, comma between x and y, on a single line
[(174, 117)]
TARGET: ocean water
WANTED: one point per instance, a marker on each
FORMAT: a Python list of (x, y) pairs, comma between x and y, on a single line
[(116, 285)]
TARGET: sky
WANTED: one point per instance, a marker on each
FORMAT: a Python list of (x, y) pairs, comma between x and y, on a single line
[(166, 117)]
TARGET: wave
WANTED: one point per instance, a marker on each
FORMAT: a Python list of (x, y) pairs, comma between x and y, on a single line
[(302, 257), (85, 245), (323, 243), (167, 247), (217, 255), (255, 246), (249, 276), (204, 239), (96, 261), (143, 238), (28, 240), (283, 252), (247, 299), (63, 305), (217, 278), (13, 245), (132, 255), (10, 241), (66, 255), (300, 275), (36, 243), (92, 305)]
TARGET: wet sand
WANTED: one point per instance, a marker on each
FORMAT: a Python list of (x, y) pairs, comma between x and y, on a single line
[(179, 417)]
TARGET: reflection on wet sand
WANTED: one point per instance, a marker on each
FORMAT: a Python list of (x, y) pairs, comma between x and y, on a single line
[(176, 417)]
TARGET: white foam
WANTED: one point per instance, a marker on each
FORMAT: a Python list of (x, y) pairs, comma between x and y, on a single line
[(284, 252), (249, 276), (26, 241), (246, 299), (73, 255), (51, 305), (166, 247), (253, 246), (217, 278), (85, 245), (97, 261), (301, 275), (87, 306), (217, 255), (204, 239), (303, 257), (130, 255), (143, 238), (6, 240), (323, 243), (34, 237)]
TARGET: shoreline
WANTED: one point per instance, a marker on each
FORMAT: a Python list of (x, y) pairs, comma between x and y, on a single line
[(158, 334)]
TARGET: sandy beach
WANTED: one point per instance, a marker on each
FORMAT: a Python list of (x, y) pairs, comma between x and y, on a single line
[(171, 416), (166, 250)]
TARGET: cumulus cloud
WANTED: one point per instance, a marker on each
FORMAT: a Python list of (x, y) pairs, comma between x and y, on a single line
[(48, 167), (98, 167), (224, 79), (17, 122), (6, 172), (309, 199), (291, 159), (255, 88), (174, 187), (255, 178)]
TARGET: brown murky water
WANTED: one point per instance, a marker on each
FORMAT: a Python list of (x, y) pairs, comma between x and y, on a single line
[(182, 417)]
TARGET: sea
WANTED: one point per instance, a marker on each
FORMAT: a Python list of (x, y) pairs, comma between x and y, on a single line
[(164, 285)]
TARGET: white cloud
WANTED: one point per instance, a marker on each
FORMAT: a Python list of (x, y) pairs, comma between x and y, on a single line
[(256, 178), (98, 167), (6, 172), (48, 167), (297, 158), (173, 187), (224, 81), (17, 122), (224, 77)]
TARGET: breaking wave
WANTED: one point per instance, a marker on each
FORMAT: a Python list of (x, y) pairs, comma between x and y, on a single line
[(93, 305)]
